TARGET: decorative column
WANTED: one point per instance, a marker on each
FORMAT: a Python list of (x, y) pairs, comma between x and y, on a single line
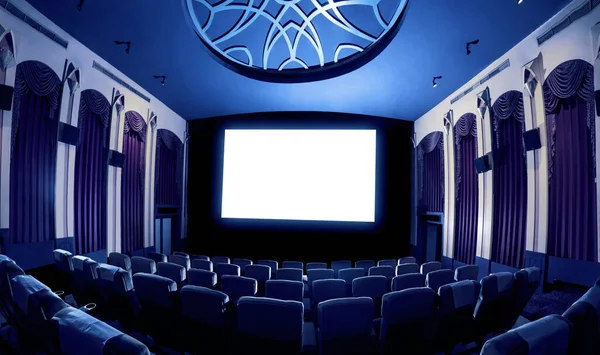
[(485, 214), (150, 180), (7, 60), (184, 191), (114, 176), (448, 230)]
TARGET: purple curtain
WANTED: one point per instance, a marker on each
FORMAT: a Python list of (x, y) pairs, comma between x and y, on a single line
[(430, 158), (570, 121), (33, 153), (467, 189), (91, 168), (169, 168), (132, 183), (510, 181)]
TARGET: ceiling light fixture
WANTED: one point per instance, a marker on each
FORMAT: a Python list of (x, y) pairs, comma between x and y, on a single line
[(469, 45), (80, 5), (520, 2), (128, 43), (162, 77), (434, 80)]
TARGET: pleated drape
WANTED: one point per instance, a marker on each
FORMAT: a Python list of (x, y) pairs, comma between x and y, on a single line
[(430, 156), (169, 168)]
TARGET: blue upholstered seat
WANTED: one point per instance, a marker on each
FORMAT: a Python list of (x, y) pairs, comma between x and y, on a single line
[(371, 286), (292, 274), (119, 299), (466, 272), (202, 264), (285, 290), (408, 319), (430, 266), (141, 264), (407, 260), (495, 307), (548, 335), (220, 260), (387, 262), (182, 260), (270, 326), (365, 265), (238, 286), (338, 265), (81, 333), (85, 275), (242, 263), (456, 305), (8, 270), (261, 273), (200, 257), (315, 265), (204, 324), (203, 278), (182, 254), (121, 260), (405, 281), (525, 284), (172, 271), (292, 265), (385, 270), (226, 269), (62, 260), (349, 275), (157, 257), (318, 274), (584, 315), (439, 278), (346, 326), (274, 265), (410, 268), (326, 289)]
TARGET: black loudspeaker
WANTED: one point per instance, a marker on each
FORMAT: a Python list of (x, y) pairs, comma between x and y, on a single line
[(116, 159), (6, 97), (598, 102), (532, 139), (68, 134), (483, 164)]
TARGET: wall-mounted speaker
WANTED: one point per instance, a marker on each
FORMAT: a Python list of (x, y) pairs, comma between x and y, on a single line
[(598, 102), (68, 134), (532, 139), (116, 159), (484, 163), (6, 97)]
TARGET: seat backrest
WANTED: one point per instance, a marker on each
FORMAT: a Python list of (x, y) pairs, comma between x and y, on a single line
[(180, 253), (122, 282), (271, 319), (403, 282), (238, 286), (204, 305), (141, 264), (466, 272), (121, 260), (387, 262), (438, 278), (173, 271), (410, 268), (200, 257), (338, 265), (407, 260), (350, 274), (24, 287), (548, 335), (220, 260), (155, 290), (242, 263), (315, 265), (62, 260), (292, 265), (36, 302), (292, 274), (106, 274), (495, 306), (327, 289), (226, 269), (157, 257), (319, 274), (345, 326), (584, 315), (274, 265), (202, 264), (526, 283), (369, 286), (181, 260), (85, 267), (458, 295), (258, 272), (387, 271), (285, 290), (203, 278), (8, 270), (364, 264), (430, 266)]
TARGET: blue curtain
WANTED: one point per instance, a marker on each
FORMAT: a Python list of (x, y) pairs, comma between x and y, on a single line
[(510, 181), (91, 169), (570, 121), (33, 153), (430, 159), (169, 168), (132, 183), (467, 189)]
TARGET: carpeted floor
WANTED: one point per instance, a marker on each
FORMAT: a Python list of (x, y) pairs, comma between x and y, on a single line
[(555, 302)]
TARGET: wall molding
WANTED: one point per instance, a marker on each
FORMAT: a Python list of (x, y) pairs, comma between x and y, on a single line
[(120, 81), (491, 74), (573, 16), (18, 13)]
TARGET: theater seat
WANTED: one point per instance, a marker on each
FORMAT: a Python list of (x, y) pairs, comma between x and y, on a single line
[(158, 257), (315, 265), (261, 273), (182, 260), (326, 289), (466, 272), (285, 290), (338, 265), (81, 333), (548, 335), (8, 270), (203, 322), (203, 278), (182, 254), (388, 262), (274, 265), (403, 282), (121, 260), (371, 286), (410, 268), (220, 260), (346, 326), (493, 313), (365, 265), (456, 305), (387, 271), (584, 314), (172, 271), (85, 275), (525, 284), (439, 278), (242, 263), (237, 287), (349, 275), (318, 274), (64, 265), (141, 264), (291, 274), (200, 257), (407, 260), (430, 266), (119, 299), (226, 269), (202, 264), (292, 265), (408, 319)]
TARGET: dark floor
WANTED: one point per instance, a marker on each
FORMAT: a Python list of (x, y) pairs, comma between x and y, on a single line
[(554, 302)]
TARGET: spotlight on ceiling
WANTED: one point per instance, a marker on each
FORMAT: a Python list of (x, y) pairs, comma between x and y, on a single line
[(80, 5), (128, 43), (469, 44), (520, 2), (162, 77), (434, 80)]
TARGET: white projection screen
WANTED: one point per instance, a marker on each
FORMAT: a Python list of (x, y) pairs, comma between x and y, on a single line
[(308, 175)]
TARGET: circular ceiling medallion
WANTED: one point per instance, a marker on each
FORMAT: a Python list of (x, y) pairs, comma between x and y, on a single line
[(295, 40)]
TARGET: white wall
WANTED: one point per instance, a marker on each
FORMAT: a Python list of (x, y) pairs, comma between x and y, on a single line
[(574, 42), (32, 45)]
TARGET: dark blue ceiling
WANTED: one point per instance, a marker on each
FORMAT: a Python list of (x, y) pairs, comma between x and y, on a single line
[(396, 84)]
